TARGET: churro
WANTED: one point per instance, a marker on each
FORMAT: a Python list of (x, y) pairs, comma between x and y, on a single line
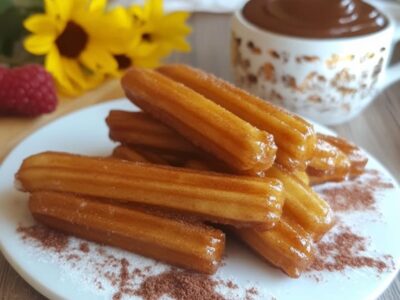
[(302, 176), (129, 153), (356, 156), (294, 136), (302, 204), (221, 198), (203, 122), (287, 246), (328, 162), (140, 129), (192, 246)]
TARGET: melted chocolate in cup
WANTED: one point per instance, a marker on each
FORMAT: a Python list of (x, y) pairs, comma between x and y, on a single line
[(315, 18)]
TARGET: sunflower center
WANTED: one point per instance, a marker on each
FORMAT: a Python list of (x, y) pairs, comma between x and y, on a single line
[(147, 37), (72, 40), (123, 61)]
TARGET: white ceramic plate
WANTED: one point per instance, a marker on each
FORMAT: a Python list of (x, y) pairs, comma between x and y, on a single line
[(85, 132)]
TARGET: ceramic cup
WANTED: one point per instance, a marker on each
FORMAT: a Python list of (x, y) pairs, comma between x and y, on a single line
[(327, 80)]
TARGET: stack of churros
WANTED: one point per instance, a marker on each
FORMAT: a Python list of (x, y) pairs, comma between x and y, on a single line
[(202, 153)]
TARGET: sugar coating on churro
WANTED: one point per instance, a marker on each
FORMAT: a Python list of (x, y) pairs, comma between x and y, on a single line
[(200, 120), (287, 246), (294, 136), (222, 198), (177, 242)]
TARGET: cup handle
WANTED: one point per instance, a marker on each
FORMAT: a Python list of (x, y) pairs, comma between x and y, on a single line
[(392, 9)]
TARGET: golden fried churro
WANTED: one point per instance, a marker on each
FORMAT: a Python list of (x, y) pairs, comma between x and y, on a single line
[(192, 246), (160, 142), (140, 129), (287, 246), (236, 200), (302, 204), (294, 136), (328, 162), (129, 153), (302, 176), (356, 156), (200, 120)]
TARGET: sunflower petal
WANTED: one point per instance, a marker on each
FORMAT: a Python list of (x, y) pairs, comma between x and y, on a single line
[(136, 11), (65, 8), (39, 44), (40, 23), (153, 8), (74, 72), (50, 7), (97, 5), (53, 64), (97, 59), (81, 78)]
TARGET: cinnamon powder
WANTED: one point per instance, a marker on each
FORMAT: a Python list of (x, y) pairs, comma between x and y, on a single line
[(356, 194), (84, 247), (124, 278), (251, 293), (347, 250), (180, 285), (46, 237)]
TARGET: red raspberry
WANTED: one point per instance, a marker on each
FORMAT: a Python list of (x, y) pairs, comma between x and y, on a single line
[(27, 90)]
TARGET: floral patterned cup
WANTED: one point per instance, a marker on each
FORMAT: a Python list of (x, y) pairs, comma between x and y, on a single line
[(327, 80)]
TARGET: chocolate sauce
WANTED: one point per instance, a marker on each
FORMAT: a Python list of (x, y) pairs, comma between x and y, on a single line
[(315, 18)]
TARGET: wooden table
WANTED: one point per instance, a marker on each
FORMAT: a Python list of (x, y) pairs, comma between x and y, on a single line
[(377, 129)]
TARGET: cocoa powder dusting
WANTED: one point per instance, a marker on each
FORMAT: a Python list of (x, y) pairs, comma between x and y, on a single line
[(118, 273), (124, 278), (231, 285), (251, 293), (347, 250), (46, 237), (356, 194), (84, 247), (180, 285)]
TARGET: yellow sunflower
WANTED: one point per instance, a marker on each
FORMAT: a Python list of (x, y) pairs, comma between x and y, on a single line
[(78, 38), (159, 35)]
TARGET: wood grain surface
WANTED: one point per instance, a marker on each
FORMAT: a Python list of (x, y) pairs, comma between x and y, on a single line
[(377, 130)]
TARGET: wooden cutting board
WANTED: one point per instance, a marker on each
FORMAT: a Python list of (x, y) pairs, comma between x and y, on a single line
[(15, 129)]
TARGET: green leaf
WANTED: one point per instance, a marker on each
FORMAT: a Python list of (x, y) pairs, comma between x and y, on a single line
[(4, 5), (11, 27), (27, 3)]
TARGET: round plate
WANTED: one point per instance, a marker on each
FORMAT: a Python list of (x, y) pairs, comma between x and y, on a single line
[(85, 132)]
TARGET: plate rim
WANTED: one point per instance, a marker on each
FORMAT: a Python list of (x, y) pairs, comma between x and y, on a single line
[(47, 292)]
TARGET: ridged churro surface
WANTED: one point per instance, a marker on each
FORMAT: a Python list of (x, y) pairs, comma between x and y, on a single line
[(236, 200), (294, 136), (127, 153), (191, 246), (358, 159), (302, 204), (140, 129), (328, 162), (203, 122), (138, 155), (287, 246)]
